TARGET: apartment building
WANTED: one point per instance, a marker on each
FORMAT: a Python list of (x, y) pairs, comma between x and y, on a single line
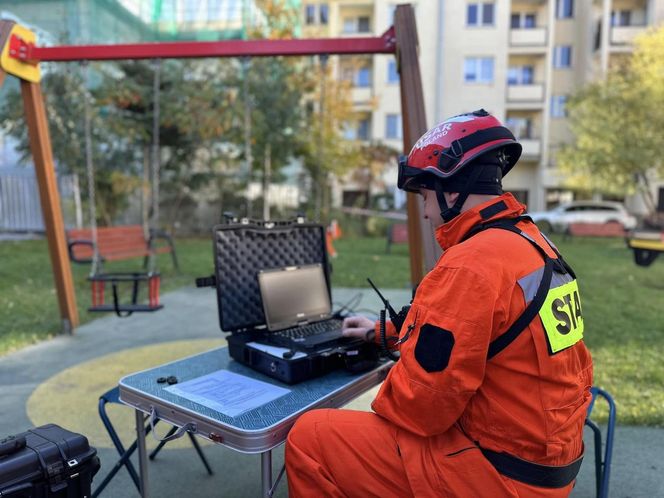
[(519, 59)]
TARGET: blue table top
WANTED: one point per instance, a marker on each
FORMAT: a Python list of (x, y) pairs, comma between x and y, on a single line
[(301, 395)]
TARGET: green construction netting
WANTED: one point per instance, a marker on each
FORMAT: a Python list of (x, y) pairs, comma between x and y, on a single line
[(80, 22)]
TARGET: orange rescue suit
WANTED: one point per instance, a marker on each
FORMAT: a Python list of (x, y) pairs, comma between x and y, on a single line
[(444, 400)]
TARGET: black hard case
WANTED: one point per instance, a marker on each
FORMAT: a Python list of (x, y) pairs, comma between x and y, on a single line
[(53, 463), (241, 250)]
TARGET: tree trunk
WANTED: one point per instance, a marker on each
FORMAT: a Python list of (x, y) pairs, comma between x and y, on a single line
[(646, 192), (267, 174), (145, 192)]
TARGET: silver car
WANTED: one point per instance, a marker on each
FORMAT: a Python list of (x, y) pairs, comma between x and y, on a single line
[(560, 217)]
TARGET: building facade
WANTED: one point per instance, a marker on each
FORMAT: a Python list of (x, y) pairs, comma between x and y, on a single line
[(518, 59)]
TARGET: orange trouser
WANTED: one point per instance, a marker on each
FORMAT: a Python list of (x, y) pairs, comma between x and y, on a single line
[(338, 453), (346, 453)]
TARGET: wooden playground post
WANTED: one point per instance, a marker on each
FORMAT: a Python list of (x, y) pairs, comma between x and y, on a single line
[(40, 145), (420, 239)]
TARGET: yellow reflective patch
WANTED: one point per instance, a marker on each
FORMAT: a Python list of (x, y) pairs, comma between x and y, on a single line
[(562, 316)]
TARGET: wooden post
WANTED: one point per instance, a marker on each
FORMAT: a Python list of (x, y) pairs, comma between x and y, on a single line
[(40, 145), (420, 236)]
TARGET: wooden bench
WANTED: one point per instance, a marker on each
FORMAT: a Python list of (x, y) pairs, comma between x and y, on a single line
[(117, 243), (608, 229), (397, 234)]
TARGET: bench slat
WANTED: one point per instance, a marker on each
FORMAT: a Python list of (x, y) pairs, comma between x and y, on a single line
[(114, 243)]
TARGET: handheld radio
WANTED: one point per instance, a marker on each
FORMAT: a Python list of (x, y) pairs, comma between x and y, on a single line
[(397, 320)]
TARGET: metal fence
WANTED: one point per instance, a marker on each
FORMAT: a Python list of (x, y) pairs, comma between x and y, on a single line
[(20, 207)]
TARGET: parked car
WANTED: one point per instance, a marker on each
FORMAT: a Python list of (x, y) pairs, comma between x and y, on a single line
[(559, 218)]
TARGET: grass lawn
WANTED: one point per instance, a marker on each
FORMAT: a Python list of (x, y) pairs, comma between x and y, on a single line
[(28, 304), (623, 304)]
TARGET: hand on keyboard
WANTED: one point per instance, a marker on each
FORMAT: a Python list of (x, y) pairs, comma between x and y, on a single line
[(357, 327)]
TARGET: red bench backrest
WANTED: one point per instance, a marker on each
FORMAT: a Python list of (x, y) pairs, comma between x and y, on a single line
[(128, 240)]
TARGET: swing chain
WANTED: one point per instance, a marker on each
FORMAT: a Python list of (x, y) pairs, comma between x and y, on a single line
[(89, 166)]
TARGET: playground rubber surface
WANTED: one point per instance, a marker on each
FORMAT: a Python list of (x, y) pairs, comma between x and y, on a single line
[(60, 381)]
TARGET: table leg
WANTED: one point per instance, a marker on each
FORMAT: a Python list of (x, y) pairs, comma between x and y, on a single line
[(266, 473), (142, 454)]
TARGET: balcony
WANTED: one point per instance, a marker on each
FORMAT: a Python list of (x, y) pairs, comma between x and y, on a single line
[(528, 40), (362, 97), (624, 35), (525, 96), (532, 148)]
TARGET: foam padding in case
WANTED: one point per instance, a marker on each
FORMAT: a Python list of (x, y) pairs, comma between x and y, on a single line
[(241, 251)]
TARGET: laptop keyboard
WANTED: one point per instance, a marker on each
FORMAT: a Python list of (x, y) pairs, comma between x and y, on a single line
[(309, 330)]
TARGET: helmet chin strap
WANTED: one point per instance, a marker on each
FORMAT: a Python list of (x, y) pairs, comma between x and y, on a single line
[(449, 213)]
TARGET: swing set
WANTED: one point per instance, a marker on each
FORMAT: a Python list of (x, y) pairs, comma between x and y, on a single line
[(21, 56), (121, 242)]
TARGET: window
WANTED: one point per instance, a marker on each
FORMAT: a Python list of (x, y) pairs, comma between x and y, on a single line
[(520, 75), (363, 129), (363, 25), (392, 74), (523, 21), (487, 14), (357, 25), (393, 126), (310, 14), (621, 18), (350, 25), (363, 77), (564, 9), (558, 106), (391, 9), (478, 70), (562, 56), (357, 130), (471, 16), (480, 14), (323, 13), (521, 127)]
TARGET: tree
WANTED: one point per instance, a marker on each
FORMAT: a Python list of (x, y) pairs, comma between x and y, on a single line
[(195, 123), (618, 126), (65, 92), (324, 149)]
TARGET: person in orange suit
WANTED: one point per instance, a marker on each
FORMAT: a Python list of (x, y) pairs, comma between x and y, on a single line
[(490, 393)]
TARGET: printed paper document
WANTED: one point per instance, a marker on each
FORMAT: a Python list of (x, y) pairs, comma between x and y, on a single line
[(227, 392)]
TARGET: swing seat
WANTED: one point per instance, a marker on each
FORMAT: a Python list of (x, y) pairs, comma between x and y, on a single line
[(98, 286)]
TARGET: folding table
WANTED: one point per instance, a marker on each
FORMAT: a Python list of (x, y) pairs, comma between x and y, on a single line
[(258, 430)]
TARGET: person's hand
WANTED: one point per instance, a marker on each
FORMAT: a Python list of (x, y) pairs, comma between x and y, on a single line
[(358, 327)]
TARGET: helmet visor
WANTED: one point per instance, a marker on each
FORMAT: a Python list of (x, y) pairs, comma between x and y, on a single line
[(413, 179)]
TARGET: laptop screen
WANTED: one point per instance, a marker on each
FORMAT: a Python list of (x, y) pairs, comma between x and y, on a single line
[(293, 295)]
